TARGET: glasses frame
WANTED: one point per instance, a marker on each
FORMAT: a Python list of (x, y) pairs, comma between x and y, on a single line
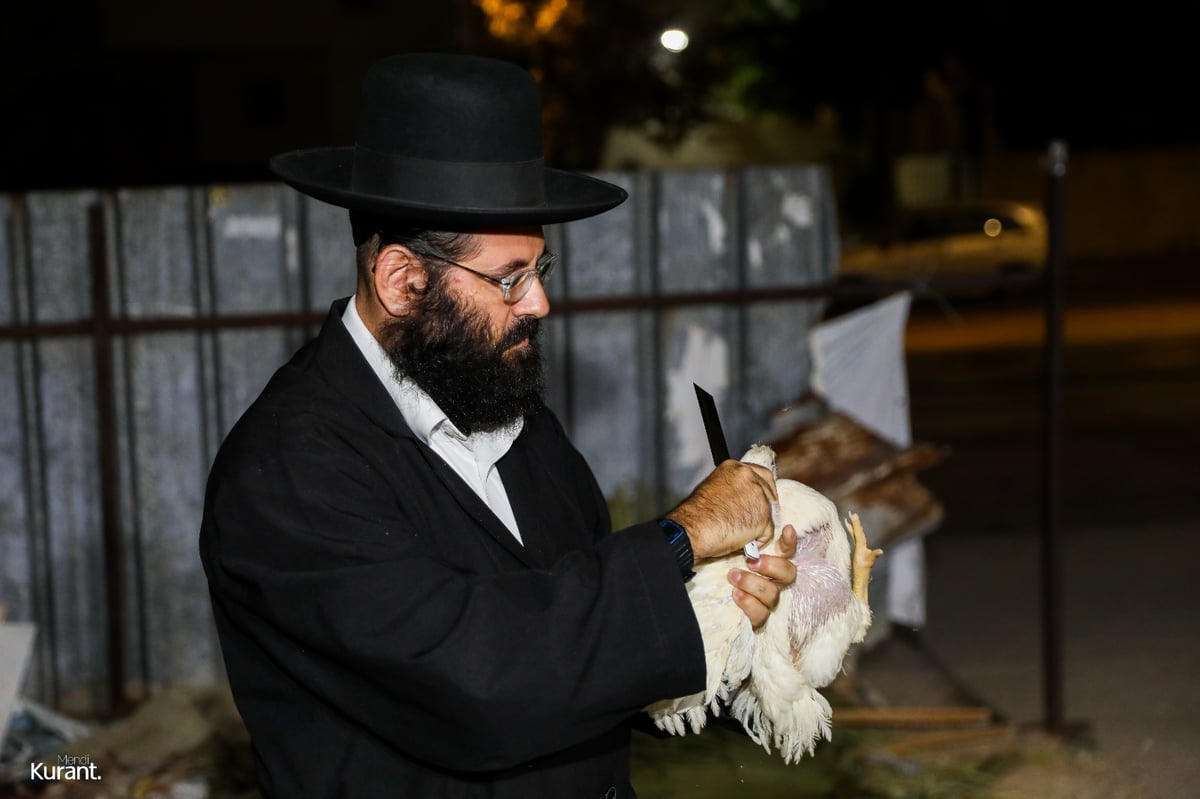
[(542, 269)]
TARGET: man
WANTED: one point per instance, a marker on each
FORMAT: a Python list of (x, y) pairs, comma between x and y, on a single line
[(412, 569)]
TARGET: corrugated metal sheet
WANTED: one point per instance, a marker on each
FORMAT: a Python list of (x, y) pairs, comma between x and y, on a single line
[(176, 260)]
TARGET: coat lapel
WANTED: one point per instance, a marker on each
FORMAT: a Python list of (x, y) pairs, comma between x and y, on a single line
[(522, 493), (469, 501), (551, 523)]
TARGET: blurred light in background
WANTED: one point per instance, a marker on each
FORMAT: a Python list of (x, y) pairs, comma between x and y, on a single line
[(674, 40), (517, 20)]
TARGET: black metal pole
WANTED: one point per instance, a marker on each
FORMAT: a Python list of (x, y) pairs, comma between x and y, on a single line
[(1052, 558), (110, 490)]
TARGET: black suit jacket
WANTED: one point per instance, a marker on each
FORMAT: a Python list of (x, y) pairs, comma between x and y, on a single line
[(386, 636)]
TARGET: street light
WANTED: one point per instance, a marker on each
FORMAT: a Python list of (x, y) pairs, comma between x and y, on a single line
[(674, 40)]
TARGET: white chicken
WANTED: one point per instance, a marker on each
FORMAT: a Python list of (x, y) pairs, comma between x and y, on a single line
[(768, 678)]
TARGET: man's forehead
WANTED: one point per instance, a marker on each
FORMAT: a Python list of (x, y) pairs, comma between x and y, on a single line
[(515, 231), (513, 241)]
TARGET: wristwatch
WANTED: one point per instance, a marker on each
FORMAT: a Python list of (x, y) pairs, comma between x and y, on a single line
[(681, 546)]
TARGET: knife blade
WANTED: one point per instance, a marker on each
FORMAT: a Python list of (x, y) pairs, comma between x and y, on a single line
[(712, 426), (717, 445)]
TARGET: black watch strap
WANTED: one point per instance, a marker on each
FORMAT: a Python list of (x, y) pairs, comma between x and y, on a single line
[(681, 546)]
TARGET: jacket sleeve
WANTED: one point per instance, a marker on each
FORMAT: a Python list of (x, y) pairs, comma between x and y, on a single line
[(468, 669)]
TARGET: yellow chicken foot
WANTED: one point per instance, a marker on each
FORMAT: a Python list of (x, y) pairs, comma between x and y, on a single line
[(864, 558)]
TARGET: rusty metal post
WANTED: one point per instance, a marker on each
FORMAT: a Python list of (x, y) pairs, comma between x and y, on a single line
[(1052, 558)]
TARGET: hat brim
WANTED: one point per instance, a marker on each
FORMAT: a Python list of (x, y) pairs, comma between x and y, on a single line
[(325, 173)]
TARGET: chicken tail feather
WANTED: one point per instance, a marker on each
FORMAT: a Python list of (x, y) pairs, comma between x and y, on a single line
[(793, 730)]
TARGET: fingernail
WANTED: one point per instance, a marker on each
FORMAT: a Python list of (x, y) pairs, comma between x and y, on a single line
[(735, 575)]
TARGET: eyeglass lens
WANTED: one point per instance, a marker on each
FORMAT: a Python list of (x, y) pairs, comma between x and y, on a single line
[(520, 287)]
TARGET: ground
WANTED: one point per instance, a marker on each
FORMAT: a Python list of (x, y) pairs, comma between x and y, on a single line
[(998, 762), (189, 742)]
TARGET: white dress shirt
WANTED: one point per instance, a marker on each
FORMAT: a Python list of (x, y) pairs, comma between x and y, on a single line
[(472, 457)]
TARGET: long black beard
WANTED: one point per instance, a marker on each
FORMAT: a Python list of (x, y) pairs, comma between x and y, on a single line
[(448, 351)]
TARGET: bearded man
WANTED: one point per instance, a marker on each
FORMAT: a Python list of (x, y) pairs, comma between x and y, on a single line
[(412, 570)]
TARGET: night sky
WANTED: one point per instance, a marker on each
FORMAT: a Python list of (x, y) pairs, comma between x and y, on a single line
[(120, 92)]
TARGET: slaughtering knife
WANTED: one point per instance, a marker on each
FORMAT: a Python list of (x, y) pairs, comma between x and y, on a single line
[(712, 426), (717, 444)]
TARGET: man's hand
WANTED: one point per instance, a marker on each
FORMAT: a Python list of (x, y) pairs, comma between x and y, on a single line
[(757, 591), (730, 508)]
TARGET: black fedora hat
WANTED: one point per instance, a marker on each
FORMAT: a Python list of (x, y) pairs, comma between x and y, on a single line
[(446, 139)]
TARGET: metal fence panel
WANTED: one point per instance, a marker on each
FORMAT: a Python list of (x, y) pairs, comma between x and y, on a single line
[(162, 426), (789, 238), (67, 426), (64, 421), (254, 268), (163, 437), (698, 345), (609, 401), (697, 252), (59, 253), (8, 299), (603, 256), (15, 565), (607, 393), (328, 255), (16, 592), (155, 272), (24, 584)]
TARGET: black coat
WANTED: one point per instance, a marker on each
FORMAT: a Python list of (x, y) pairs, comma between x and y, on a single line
[(384, 633)]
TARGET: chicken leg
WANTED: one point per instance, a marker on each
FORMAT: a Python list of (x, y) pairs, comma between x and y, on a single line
[(864, 558)]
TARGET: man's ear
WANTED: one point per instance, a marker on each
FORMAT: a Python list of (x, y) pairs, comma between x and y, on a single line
[(398, 276)]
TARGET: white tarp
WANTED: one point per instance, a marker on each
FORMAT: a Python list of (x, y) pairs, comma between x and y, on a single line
[(859, 369), (859, 366)]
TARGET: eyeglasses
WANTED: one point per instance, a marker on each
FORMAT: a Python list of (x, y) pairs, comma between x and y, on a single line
[(516, 285)]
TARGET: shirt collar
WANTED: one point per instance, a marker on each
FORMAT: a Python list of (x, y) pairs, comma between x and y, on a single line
[(419, 410)]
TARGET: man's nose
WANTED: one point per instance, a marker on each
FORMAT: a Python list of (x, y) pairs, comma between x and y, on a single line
[(535, 303)]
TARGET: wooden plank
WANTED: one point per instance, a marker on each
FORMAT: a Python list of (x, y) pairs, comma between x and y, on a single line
[(951, 738), (911, 716)]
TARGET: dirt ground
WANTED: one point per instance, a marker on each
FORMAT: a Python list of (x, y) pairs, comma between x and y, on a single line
[(1059, 772), (1047, 767)]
